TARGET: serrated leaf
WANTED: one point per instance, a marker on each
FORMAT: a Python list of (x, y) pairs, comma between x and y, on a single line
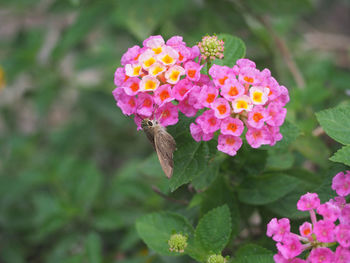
[(336, 123), (342, 155), (266, 188), (253, 253), (214, 229), (234, 49), (155, 230)]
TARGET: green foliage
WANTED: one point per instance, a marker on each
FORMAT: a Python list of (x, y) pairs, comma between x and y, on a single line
[(342, 155), (156, 229), (234, 50)]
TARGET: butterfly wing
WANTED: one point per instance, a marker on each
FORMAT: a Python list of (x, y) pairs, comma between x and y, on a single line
[(165, 146)]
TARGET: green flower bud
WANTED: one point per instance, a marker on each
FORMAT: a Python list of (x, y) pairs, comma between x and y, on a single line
[(177, 243), (216, 259), (211, 47)]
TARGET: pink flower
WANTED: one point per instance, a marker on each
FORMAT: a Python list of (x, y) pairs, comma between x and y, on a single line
[(220, 74), (257, 137), (175, 41), (163, 94), (342, 255), (329, 211), (232, 89), (291, 246), (131, 86), (221, 108), (193, 70), (343, 235), (207, 95), (305, 229), (277, 114), (131, 55), (229, 144), (324, 231), (344, 217), (257, 117), (308, 201), (187, 108), (244, 62), (154, 42), (198, 134), (321, 254), (120, 77), (181, 89), (249, 76), (208, 122), (167, 114), (232, 126), (193, 97), (242, 103), (145, 104), (126, 103), (341, 183), (277, 229), (275, 135)]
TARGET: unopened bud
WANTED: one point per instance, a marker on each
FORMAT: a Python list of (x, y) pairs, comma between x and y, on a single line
[(211, 47), (216, 259), (177, 243)]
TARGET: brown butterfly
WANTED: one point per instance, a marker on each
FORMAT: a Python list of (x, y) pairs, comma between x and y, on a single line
[(162, 142)]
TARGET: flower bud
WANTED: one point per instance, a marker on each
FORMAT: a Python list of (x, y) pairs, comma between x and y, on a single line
[(211, 47), (216, 259), (177, 243)]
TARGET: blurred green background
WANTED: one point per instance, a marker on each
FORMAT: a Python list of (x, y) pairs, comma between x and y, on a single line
[(74, 172)]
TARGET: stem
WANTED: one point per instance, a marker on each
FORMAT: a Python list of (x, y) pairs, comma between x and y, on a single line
[(208, 65)]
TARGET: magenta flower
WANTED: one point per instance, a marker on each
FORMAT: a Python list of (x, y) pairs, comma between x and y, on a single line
[(290, 247), (277, 229), (277, 114), (324, 231), (257, 137), (344, 217), (208, 122), (232, 126), (342, 255), (343, 235), (229, 144), (193, 70), (341, 183), (257, 117), (308, 202), (145, 105), (207, 95), (221, 108), (322, 254), (305, 229), (198, 134), (232, 89), (329, 211), (163, 94), (167, 114)]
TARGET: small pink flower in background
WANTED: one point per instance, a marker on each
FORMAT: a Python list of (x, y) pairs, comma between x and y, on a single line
[(343, 235), (341, 183), (278, 228), (319, 235), (290, 246), (322, 254), (305, 229), (308, 201), (229, 144), (342, 255), (324, 231)]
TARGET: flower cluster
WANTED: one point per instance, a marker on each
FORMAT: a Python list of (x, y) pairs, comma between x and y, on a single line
[(239, 97), (160, 79), (155, 80), (331, 230), (211, 47)]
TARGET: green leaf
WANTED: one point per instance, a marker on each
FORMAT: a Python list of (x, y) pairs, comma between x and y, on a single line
[(214, 229), (253, 253), (336, 123), (265, 188), (108, 220), (313, 148), (342, 155), (234, 49), (93, 248), (155, 230)]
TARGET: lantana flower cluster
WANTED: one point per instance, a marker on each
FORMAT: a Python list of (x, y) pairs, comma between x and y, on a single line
[(160, 79), (155, 80), (331, 229), (240, 97)]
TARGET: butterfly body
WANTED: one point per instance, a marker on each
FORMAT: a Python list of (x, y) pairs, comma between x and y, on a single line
[(162, 142)]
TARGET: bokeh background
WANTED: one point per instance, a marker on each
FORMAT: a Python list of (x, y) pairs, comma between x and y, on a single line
[(74, 172)]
